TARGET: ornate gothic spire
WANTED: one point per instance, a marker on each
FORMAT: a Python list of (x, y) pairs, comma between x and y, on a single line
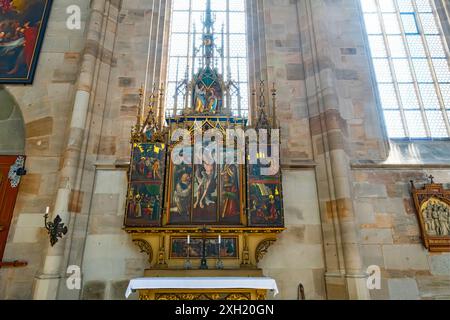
[(208, 35)]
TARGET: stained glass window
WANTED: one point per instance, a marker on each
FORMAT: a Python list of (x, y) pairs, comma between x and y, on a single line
[(186, 35), (411, 62)]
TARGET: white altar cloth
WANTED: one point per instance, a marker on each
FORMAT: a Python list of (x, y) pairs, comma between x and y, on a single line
[(202, 283)]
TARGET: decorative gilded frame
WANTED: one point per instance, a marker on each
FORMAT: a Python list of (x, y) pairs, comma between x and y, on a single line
[(422, 196)]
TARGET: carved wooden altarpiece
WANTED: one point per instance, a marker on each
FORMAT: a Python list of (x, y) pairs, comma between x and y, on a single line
[(201, 219)]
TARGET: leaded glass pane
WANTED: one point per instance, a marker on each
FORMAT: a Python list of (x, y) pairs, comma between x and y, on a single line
[(409, 24), (391, 24), (414, 121), (408, 96), (394, 124), (402, 70), (435, 46), (445, 91), (436, 123), (382, 70), (388, 96), (405, 5), (377, 47), (422, 70), (181, 61), (397, 47), (416, 47), (372, 23), (369, 6), (442, 70), (423, 5), (429, 96), (429, 23), (387, 5), (413, 53)]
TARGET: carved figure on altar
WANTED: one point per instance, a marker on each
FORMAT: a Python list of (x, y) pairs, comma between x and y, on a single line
[(200, 97), (212, 101)]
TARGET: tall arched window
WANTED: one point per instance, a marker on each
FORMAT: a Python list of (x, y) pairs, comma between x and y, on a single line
[(411, 62), (186, 36)]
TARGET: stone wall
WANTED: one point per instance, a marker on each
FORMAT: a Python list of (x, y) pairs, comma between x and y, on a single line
[(46, 107), (390, 235), (136, 36), (297, 257), (110, 259)]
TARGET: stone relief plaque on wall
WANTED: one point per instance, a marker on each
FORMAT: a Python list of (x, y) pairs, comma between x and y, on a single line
[(433, 211)]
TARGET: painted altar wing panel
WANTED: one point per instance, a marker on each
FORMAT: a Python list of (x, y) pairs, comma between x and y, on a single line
[(145, 198), (22, 28), (264, 196)]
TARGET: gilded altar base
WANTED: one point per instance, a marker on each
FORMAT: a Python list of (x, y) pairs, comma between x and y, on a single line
[(189, 295)]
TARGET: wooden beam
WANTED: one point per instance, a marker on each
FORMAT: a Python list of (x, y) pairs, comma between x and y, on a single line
[(14, 264)]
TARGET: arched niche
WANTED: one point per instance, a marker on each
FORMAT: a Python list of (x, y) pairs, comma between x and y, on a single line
[(12, 128)]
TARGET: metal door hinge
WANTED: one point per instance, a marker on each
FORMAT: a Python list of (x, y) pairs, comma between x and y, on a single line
[(16, 171)]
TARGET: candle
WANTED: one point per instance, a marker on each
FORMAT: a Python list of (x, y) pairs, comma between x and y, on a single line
[(220, 239), (47, 210), (189, 239)]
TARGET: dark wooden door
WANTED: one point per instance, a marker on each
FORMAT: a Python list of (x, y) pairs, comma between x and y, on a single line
[(8, 195)]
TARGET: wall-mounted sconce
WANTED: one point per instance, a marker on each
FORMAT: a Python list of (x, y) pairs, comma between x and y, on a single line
[(55, 229)]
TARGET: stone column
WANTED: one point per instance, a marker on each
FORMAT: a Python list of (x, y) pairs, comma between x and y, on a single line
[(47, 281), (344, 277)]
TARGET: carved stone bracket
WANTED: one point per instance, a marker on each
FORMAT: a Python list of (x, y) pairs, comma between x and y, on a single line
[(145, 247), (262, 249)]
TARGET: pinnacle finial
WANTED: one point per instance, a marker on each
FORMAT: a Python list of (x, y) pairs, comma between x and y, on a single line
[(431, 179)]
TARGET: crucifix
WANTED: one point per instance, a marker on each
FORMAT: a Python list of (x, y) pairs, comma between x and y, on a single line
[(431, 179), (204, 262)]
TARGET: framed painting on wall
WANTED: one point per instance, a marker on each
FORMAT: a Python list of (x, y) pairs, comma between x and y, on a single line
[(22, 28)]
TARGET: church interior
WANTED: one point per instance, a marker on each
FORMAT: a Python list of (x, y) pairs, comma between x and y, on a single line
[(225, 150)]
